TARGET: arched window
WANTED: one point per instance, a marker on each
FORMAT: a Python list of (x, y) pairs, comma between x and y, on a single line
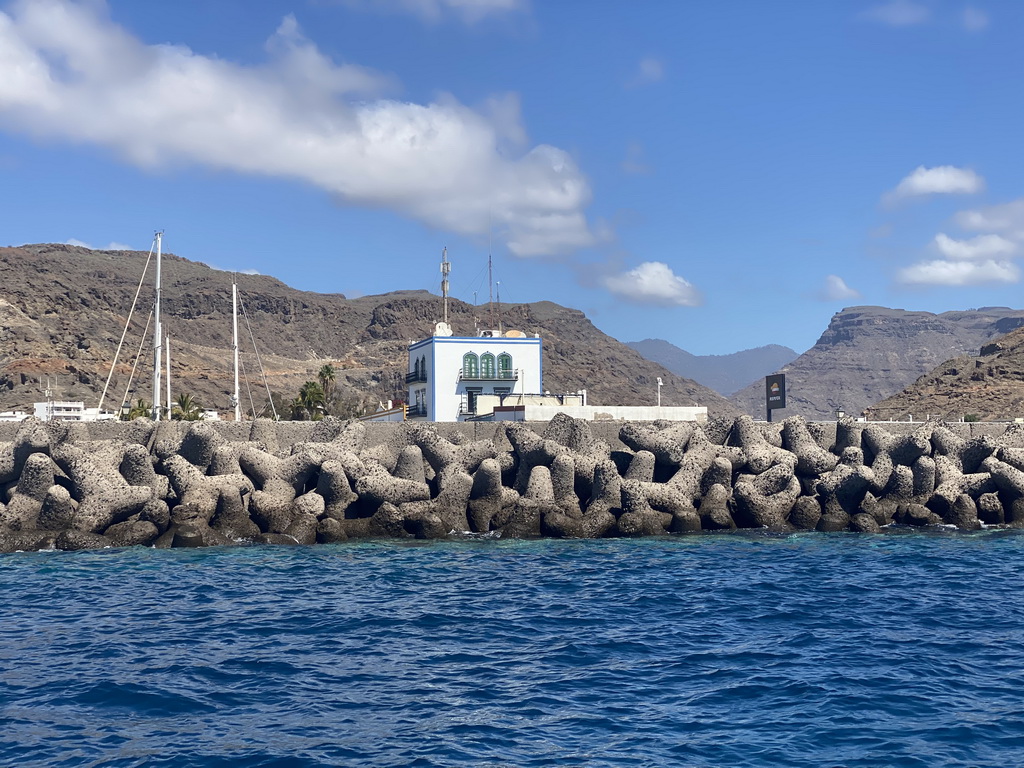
[(470, 366), (423, 364), (504, 366), (487, 365), (416, 368)]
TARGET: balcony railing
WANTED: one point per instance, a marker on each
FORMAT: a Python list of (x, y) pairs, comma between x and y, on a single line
[(415, 376), (495, 376), (416, 411)]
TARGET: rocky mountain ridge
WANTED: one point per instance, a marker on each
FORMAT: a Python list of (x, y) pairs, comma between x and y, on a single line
[(989, 387), (63, 308), (870, 353), (726, 374)]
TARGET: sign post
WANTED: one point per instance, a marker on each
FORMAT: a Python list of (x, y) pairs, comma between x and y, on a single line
[(774, 392)]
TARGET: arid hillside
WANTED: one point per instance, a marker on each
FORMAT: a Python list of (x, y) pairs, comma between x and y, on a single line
[(63, 309), (989, 387)]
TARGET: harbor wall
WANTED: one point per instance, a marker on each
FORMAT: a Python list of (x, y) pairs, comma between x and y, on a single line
[(71, 486), (380, 432)]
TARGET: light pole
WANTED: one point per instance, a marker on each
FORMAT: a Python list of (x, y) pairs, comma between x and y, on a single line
[(659, 391)]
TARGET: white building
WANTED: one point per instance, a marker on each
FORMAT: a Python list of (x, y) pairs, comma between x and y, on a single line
[(448, 374), (70, 410)]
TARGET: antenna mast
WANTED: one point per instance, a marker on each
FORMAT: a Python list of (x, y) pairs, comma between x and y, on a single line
[(446, 268), (157, 333)]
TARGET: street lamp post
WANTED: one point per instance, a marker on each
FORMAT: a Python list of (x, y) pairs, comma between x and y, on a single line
[(659, 391)]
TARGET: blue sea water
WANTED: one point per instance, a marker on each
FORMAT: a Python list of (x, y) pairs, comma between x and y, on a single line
[(712, 650)]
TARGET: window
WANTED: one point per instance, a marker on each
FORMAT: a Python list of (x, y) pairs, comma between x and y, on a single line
[(471, 395), (487, 365), (504, 366), (470, 366), (423, 365)]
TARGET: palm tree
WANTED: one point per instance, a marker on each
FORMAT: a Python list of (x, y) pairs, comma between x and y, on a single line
[(187, 408), (311, 396), (141, 410), (326, 378)]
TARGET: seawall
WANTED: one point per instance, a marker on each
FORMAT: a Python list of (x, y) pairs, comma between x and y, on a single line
[(87, 485)]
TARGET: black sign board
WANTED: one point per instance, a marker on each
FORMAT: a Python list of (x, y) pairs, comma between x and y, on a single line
[(774, 392)]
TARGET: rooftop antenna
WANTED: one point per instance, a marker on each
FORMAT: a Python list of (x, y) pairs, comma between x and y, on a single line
[(446, 268)]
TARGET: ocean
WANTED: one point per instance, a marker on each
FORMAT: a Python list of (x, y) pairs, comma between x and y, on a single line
[(743, 649)]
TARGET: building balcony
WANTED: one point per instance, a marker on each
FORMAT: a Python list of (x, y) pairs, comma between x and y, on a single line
[(496, 376), (418, 411), (415, 376)]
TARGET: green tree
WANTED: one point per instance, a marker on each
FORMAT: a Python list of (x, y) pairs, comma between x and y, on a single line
[(141, 410), (311, 395), (972, 417), (326, 376), (310, 402), (187, 408)]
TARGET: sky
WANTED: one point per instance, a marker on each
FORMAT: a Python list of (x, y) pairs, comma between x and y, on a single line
[(722, 174)]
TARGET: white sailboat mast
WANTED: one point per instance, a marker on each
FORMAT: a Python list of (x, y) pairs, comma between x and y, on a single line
[(234, 346), (157, 335), (167, 362)]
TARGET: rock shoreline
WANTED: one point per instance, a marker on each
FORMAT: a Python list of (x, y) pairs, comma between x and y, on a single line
[(178, 485)]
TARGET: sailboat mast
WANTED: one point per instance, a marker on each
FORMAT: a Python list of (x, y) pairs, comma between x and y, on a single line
[(490, 290), (234, 346), (157, 334), (167, 362)]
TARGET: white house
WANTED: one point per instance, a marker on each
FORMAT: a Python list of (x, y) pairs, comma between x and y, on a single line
[(70, 410), (447, 374)]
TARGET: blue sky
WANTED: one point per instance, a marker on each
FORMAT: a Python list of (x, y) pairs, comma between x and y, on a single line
[(718, 174)]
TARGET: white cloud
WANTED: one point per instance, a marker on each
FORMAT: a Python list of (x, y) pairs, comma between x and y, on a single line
[(470, 11), (648, 70), (1007, 218), (653, 282), (975, 19), (956, 273), (941, 180), (836, 289), (635, 163), (980, 247), (67, 71), (898, 13)]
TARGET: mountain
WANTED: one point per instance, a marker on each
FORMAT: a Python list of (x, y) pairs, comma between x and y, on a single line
[(989, 386), (63, 308), (869, 353), (723, 373)]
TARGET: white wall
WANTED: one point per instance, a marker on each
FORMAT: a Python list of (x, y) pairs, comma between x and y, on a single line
[(606, 413)]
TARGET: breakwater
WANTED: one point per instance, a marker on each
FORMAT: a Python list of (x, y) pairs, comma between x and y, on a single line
[(81, 486)]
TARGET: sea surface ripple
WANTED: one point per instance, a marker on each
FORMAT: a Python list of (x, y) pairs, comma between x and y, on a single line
[(711, 650)]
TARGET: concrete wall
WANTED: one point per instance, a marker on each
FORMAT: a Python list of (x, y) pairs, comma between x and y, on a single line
[(291, 432), (614, 413)]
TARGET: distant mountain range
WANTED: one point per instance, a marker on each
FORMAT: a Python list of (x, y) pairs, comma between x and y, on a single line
[(725, 374), (63, 307), (868, 354)]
